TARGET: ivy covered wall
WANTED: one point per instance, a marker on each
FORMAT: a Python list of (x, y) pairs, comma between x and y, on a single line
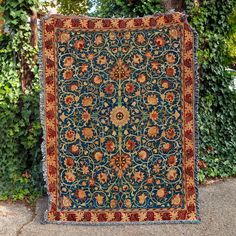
[(20, 138)]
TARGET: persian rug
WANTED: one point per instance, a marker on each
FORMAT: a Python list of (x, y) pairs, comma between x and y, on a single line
[(119, 113)]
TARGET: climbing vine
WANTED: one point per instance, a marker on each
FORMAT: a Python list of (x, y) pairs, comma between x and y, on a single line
[(20, 171)]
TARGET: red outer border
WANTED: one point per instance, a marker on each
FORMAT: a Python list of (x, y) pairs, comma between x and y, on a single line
[(49, 25)]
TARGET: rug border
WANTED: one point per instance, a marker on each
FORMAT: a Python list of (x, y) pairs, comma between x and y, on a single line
[(43, 124)]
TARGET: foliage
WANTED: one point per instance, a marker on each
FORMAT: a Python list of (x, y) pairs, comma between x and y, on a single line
[(20, 170), (74, 6), (128, 8), (232, 38), (217, 102)]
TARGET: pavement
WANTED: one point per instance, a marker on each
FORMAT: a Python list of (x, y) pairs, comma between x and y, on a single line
[(217, 206)]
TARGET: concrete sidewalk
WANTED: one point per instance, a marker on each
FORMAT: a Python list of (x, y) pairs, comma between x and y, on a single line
[(218, 213)]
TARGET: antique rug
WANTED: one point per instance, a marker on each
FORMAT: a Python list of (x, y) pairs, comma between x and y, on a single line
[(119, 113)]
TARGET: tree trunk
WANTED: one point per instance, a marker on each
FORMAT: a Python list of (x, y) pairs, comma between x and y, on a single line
[(177, 5), (27, 75)]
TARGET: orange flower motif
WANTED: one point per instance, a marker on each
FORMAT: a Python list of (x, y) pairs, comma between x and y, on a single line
[(112, 36), (102, 60), (81, 194), (84, 68), (170, 96), (69, 99), (156, 168), (90, 56), (98, 40), (165, 84), (176, 200), (70, 135), (152, 99), (170, 58), (153, 131), (173, 33), (128, 203), (140, 39), (170, 133), (138, 176), (160, 41), (143, 154), (172, 160), (110, 146), (87, 101), (70, 177), (91, 182), (86, 116), (99, 198), (97, 79), (148, 54), (142, 198), (129, 87), (130, 145), (161, 193), (120, 71), (142, 78), (68, 61), (119, 116), (171, 175), (155, 65), (170, 71), (102, 178), (67, 74), (127, 35), (113, 203), (87, 133), (85, 169), (66, 202), (153, 115), (64, 37), (137, 59), (98, 156), (69, 162), (73, 87), (79, 44), (120, 163), (74, 149), (166, 147), (150, 180)]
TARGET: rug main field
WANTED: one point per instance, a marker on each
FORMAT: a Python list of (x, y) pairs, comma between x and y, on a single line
[(119, 112)]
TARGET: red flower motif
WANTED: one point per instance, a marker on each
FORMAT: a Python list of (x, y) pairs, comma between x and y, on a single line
[(109, 88), (92, 182), (67, 74), (170, 133), (170, 96), (69, 162), (171, 160), (129, 87), (69, 99), (110, 146), (79, 44), (160, 41), (130, 145), (170, 71)]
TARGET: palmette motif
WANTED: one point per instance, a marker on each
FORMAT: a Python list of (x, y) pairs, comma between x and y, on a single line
[(120, 121)]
